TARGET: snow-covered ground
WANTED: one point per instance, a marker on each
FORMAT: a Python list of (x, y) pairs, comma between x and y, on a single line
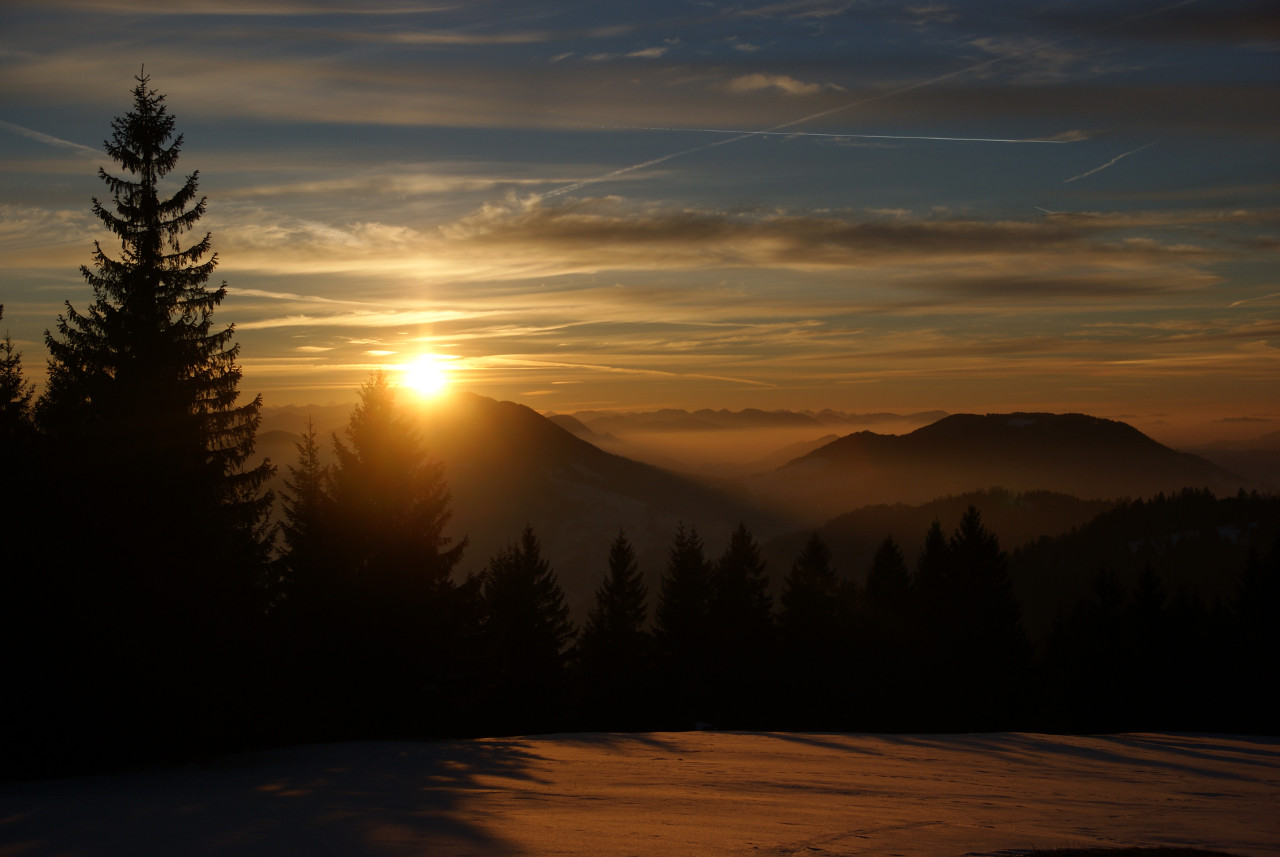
[(670, 794)]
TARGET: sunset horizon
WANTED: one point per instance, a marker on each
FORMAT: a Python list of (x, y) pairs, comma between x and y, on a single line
[(794, 206), (705, 427)]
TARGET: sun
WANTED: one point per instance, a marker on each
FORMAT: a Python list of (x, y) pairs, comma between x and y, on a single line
[(427, 374)]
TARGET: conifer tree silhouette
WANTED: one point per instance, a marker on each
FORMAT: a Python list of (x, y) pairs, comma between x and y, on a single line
[(620, 610), (894, 668), (144, 375), (391, 501), (814, 640), (151, 465), (683, 628), (16, 394), (1146, 652), (526, 632), (305, 503), (378, 603), (889, 581), (977, 664), (809, 620), (1255, 648), (17, 449), (615, 649), (984, 637), (25, 592), (1085, 660), (742, 638), (934, 579)]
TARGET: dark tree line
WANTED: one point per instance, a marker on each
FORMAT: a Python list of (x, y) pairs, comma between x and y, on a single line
[(1145, 657), (934, 644), (151, 612)]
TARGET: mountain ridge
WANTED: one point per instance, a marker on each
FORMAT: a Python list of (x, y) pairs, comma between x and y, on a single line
[(508, 466), (1078, 454)]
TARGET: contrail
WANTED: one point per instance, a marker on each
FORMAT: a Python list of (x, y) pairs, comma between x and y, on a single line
[(780, 128), (891, 93), (857, 136), (742, 135), (624, 170), (1235, 304), (1109, 163), (976, 67), (47, 139)]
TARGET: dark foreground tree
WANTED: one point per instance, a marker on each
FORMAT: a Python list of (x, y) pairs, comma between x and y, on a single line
[(742, 639), (23, 586), (814, 640), (889, 581), (809, 621), (682, 631), (892, 666), (1085, 669), (982, 648), (368, 570), (1254, 654), (305, 503), (17, 449), (158, 508), (526, 633), (15, 395), (144, 377), (391, 503), (615, 650)]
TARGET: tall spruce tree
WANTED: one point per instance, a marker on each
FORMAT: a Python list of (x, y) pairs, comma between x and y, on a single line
[(935, 577), (1253, 641), (375, 600), (15, 394), (144, 375), (615, 649), (983, 641), (23, 590), (1150, 642), (682, 630), (616, 623), (889, 581), (742, 634), (814, 636), (1084, 663), (526, 633), (305, 501), (893, 666), (809, 622), (391, 503), (151, 463), (15, 443)]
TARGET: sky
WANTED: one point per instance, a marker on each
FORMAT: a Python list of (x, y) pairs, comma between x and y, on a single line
[(983, 206)]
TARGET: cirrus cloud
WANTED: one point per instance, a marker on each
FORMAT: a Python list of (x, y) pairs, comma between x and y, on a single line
[(758, 81)]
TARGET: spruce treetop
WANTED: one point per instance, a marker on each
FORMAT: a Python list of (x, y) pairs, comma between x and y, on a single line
[(143, 371), (15, 392), (527, 612), (620, 607)]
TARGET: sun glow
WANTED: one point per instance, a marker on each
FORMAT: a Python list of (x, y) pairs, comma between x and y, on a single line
[(427, 375)]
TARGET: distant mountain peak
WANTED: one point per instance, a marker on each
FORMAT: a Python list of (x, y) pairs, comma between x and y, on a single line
[(1069, 428), (1087, 456)]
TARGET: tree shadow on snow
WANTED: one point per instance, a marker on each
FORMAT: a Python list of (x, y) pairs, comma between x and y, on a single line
[(368, 799)]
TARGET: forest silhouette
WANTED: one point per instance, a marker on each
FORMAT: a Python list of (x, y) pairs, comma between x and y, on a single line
[(153, 611)]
